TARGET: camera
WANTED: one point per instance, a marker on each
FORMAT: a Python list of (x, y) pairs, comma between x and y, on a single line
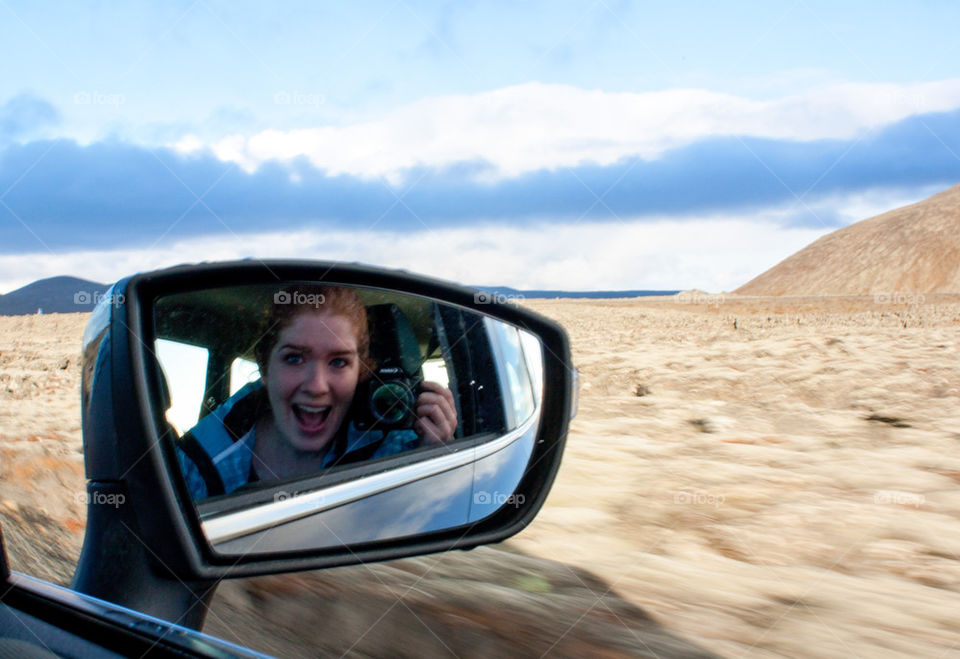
[(387, 400)]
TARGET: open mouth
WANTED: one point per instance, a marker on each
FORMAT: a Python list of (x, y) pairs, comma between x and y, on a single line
[(311, 419)]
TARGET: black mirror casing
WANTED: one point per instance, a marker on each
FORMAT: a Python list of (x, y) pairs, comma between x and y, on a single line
[(144, 542)]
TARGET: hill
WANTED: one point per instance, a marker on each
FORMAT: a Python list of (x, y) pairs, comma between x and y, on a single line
[(53, 295), (910, 250)]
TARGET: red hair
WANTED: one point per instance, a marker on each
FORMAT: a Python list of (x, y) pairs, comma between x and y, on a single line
[(293, 301)]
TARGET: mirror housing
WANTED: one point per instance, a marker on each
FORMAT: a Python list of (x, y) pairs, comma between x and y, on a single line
[(142, 525)]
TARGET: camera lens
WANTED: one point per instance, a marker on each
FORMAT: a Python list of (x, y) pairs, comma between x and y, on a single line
[(391, 402)]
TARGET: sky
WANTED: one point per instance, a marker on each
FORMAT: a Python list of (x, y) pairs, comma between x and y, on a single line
[(589, 145)]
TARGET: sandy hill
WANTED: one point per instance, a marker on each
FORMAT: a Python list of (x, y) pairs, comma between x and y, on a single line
[(914, 249)]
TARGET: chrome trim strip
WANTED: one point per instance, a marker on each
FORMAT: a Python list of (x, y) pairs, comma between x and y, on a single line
[(238, 524)]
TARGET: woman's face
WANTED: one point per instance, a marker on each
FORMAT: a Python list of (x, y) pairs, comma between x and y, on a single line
[(311, 377)]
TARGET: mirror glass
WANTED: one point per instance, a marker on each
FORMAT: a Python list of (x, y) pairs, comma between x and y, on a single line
[(306, 416)]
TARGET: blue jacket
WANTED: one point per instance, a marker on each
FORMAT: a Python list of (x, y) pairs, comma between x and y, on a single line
[(216, 454)]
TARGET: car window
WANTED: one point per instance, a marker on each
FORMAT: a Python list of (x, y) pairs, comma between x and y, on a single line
[(207, 344), (185, 369), (243, 371)]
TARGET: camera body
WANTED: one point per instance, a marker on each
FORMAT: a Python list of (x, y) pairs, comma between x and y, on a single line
[(387, 401)]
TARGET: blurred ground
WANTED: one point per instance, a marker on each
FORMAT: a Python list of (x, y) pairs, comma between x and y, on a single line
[(767, 477), (760, 477)]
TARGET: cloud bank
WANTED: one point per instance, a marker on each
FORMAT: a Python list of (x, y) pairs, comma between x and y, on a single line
[(541, 186), (63, 195), (714, 253)]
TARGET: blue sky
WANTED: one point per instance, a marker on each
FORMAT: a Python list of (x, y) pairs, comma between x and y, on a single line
[(578, 145)]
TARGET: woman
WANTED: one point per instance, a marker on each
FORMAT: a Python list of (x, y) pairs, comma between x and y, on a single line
[(296, 420)]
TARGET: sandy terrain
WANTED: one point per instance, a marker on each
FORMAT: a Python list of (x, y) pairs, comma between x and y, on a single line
[(42, 487), (788, 487), (759, 477)]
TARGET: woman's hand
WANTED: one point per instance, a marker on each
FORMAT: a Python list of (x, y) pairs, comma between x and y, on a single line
[(436, 414)]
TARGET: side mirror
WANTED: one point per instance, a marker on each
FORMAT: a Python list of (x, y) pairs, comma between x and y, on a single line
[(252, 428), (266, 476)]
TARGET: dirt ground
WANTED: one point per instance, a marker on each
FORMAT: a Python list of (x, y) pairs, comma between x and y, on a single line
[(746, 477)]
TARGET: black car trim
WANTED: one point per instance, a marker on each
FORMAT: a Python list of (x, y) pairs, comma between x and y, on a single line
[(129, 632)]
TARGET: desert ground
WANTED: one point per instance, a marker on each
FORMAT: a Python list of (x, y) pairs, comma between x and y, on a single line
[(746, 477)]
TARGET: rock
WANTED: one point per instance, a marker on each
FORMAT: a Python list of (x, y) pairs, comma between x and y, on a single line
[(894, 421), (703, 425)]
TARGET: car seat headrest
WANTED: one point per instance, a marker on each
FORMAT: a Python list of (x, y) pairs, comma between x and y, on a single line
[(393, 343)]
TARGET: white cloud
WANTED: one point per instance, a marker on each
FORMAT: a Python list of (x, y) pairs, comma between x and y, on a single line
[(534, 126)]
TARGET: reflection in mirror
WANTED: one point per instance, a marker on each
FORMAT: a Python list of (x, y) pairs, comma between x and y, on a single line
[(300, 403)]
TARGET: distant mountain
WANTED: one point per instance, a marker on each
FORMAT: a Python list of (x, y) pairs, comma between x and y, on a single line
[(71, 295), (513, 293), (911, 250), (54, 295)]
